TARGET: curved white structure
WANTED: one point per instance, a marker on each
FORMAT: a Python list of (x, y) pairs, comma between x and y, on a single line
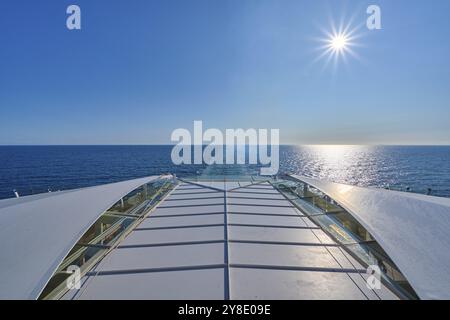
[(249, 238), (37, 232), (413, 229)]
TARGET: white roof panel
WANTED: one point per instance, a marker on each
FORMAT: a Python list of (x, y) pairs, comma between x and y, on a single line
[(260, 201), (182, 221), (282, 255), (267, 284), (278, 235), (265, 220), (141, 258), (37, 233), (200, 284), (413, 229), (263, 209), (159, 236), (183, 210), (185, 250)]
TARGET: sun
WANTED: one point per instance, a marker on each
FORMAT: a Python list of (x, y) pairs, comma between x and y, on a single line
[(339, 42)]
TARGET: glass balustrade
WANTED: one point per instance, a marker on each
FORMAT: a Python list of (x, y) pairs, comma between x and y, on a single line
[(107, 232), (344, 229)]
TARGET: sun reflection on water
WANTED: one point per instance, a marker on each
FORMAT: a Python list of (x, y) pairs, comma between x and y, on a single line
[(358, 165)]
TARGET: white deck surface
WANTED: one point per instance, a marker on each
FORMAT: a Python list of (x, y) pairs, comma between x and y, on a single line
[(248, 243), (413, 229), (37, 232)]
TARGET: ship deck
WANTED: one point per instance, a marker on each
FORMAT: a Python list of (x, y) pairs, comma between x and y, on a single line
[(227, 240)]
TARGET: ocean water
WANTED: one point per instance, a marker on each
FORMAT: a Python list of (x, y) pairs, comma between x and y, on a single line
[(36, 169)]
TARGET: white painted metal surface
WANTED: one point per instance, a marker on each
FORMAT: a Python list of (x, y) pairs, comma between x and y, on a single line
[(201, 242), (221, 248), (413, 229), (37, 232)]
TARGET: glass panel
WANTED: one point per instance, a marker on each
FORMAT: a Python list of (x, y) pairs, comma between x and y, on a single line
[(351, 224), (336, 230), (106, 232), (307, 207), (344, 229), (372, 254)]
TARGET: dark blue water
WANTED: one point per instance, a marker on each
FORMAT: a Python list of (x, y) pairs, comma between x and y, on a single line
[(36, 169)]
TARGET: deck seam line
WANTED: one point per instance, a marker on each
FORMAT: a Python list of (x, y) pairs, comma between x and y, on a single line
[(260, 205), (256, 198), (284, 243), (205, 192), (185, 215), (191, 205), (153, 270), (199, 185), (270, 226), (192, 226), (191, 199), (169, 244), (293, 268), (226, 246), (265, 214), (246, 186)]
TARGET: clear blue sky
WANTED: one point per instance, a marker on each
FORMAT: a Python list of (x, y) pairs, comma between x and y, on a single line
[(139, 69)]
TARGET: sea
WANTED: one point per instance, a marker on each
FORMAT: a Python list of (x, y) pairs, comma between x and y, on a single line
[(37, 169)]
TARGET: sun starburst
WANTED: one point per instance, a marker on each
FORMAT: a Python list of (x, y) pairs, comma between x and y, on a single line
[(338, 44)]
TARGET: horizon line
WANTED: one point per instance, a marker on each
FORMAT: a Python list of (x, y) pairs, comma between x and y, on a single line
[(281, 144)]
